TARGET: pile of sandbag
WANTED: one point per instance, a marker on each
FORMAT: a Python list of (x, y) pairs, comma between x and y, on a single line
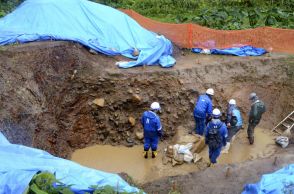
[(180, 153)]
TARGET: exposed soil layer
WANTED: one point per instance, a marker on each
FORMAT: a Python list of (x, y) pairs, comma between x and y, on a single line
[(47, 92)]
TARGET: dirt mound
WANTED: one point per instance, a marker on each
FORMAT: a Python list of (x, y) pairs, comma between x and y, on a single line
[(48, 93)]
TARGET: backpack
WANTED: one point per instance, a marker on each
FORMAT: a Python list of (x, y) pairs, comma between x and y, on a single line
[(260, 108), (214, 137)]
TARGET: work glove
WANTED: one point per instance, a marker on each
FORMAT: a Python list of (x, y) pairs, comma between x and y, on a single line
[(208, 119)]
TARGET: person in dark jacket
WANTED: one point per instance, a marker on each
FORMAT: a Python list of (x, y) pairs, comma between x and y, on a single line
[(203, 110), (216, 136), (152, 129), (255, 114), (234, 122)]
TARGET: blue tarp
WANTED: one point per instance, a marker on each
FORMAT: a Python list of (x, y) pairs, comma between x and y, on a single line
[(18, 164), (96, 26), (237, 51), (279, 182)]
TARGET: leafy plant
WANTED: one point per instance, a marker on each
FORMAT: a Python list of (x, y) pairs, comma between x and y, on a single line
[(46, 183), (218, 14)]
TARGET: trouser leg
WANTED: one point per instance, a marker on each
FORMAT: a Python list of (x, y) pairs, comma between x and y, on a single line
[(147, 143), (250, 131), (200, 125), (214, 154), (154, 143)]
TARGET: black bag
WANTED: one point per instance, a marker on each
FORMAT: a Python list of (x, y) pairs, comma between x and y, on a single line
[(214, 139), (261, 108)]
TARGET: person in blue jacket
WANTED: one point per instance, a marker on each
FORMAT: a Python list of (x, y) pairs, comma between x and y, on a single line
[(202, 111), (234, 122), (215, 136), (152, 129)]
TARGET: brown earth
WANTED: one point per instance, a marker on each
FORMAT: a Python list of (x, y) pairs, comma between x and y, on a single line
[(47, 93), (222, 179)]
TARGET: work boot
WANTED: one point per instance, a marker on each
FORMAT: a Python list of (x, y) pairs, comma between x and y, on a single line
[(251, 140), (145, 154), (211, 164), (154, 154)]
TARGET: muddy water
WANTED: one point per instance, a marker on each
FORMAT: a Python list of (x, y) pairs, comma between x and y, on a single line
[(240, 150), (130, 160)]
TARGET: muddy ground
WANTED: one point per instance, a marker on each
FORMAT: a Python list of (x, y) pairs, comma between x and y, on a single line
[(222, 179), (47, 93)]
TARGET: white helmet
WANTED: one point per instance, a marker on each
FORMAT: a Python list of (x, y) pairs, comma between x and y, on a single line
[(216, 113), (210, 91), (252, 96), (155, 106), (232, 102)]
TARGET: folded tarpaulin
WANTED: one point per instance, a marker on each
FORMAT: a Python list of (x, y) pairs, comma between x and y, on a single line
[(18, 164), (97, 26), (279, 182), (237, 51)]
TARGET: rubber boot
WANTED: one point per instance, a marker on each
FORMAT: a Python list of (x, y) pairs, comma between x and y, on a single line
[(211, 164), (251, 140), (145, 154), (154, 154)]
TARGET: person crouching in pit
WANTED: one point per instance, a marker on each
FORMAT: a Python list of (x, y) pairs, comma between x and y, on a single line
[(216, 136), (152, 129)]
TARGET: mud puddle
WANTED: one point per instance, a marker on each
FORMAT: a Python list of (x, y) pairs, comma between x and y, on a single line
[(240, 150), (130, 160)]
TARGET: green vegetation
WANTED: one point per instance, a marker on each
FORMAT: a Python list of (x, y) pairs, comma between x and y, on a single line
[(46, 183), (218, 14)]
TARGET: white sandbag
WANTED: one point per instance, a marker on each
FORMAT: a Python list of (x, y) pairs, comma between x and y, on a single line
[(282, 141), (185, 149), (188, 157)]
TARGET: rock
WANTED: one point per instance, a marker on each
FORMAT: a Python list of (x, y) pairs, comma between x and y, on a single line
[(179, 158), (136, 98), (130, 91), (135, 52), (184, 139), (175, 116), (139, 135), (196, 158), (199, 146), (192, 102), (130, 140), (99, 102), (132, 121), (166, 160)]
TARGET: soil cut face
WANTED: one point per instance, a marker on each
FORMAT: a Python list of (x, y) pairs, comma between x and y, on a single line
[(59, 97)]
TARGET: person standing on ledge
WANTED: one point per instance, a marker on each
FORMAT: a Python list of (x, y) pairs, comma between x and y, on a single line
[(152, 129), (255, 114), (203, 110)]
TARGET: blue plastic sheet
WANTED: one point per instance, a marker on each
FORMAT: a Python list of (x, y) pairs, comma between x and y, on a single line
[(99, 27), (237, 51), (279, 182), (18, 164)]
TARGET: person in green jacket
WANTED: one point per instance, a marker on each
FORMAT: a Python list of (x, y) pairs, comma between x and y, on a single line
[(255, 114)]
